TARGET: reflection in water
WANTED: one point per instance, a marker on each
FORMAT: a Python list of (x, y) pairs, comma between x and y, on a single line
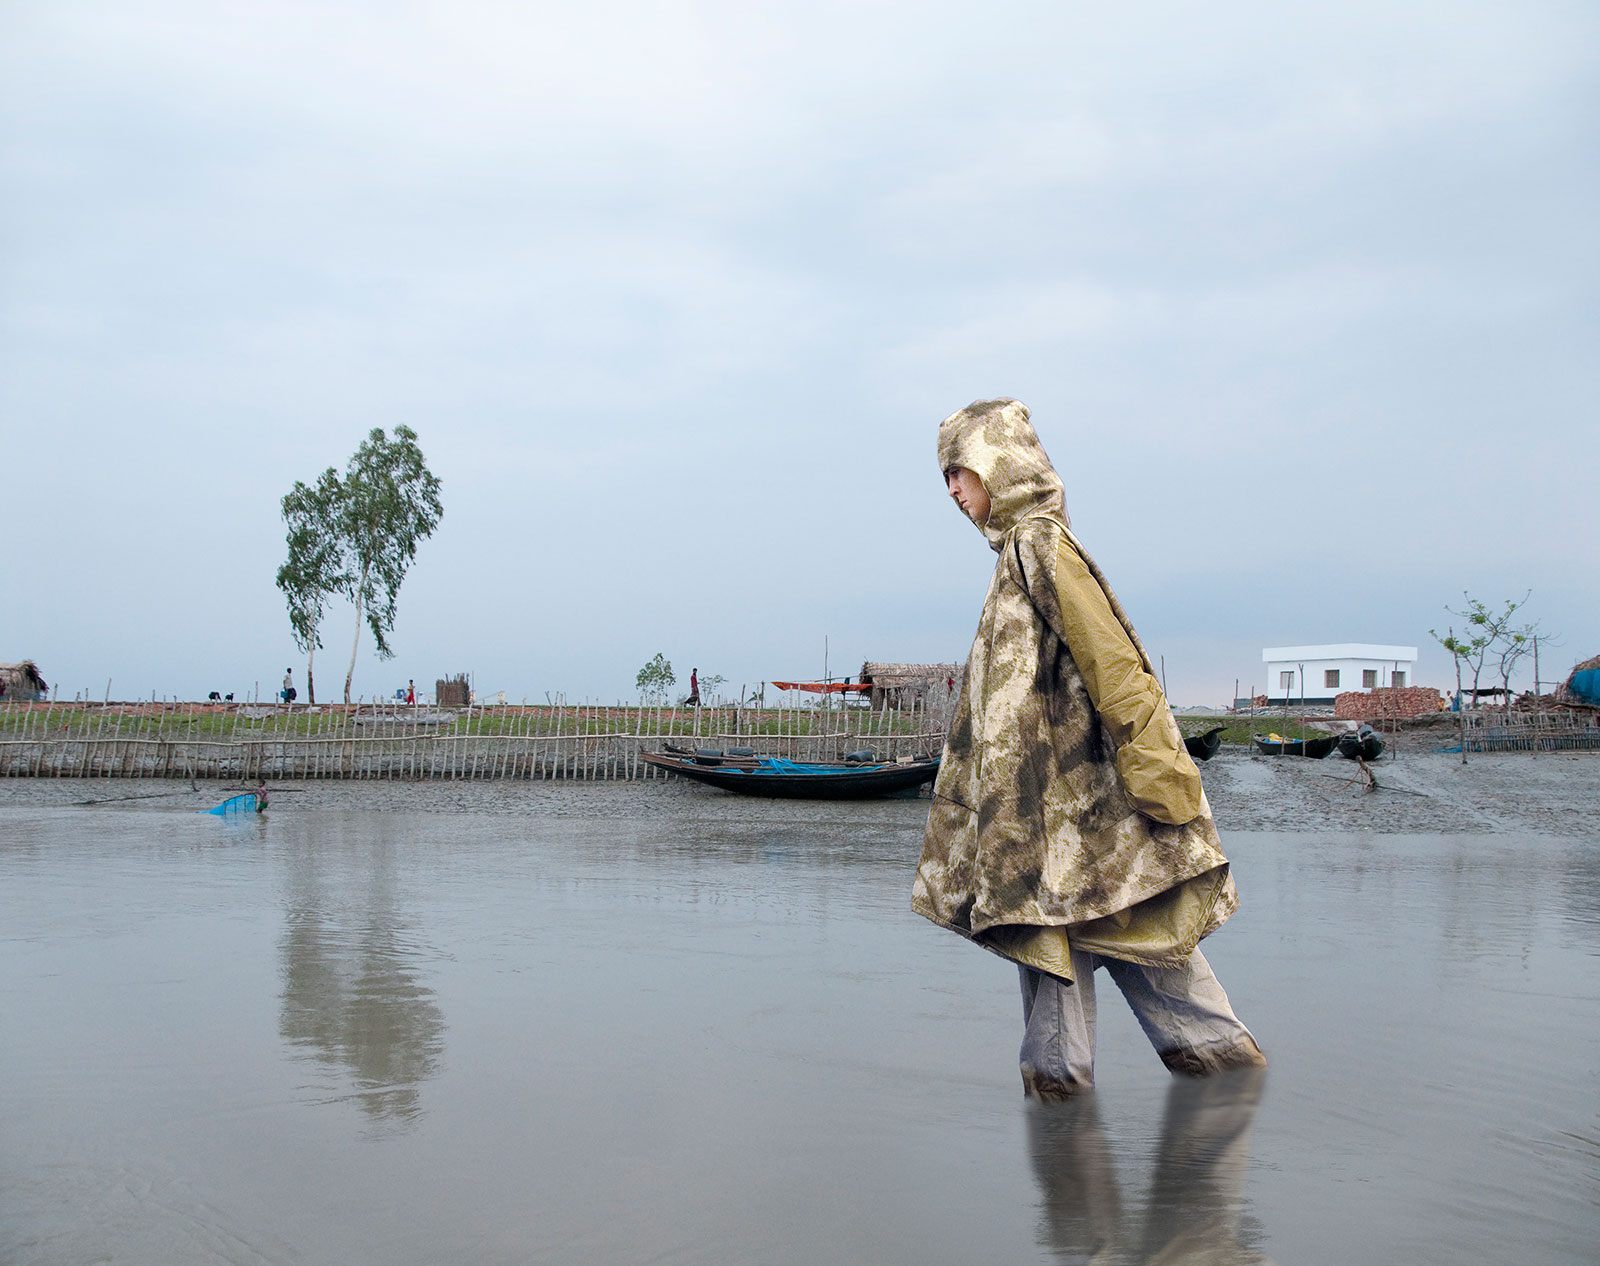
[(1195, 1204), (353, 994)]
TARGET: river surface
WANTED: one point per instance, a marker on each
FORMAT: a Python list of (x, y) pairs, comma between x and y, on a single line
[(659, 1029)]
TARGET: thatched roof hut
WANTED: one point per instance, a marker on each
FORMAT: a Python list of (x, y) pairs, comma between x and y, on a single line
[(22, 682), (1582, 684), (899, 685)]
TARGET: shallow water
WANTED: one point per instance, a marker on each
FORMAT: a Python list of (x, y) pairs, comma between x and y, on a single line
[(656, 1029)]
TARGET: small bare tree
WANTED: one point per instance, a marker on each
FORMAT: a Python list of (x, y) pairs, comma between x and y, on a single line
[(1515, 644), (1486, 629)]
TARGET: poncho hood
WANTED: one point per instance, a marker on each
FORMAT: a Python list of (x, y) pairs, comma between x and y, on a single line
[(994, 440)]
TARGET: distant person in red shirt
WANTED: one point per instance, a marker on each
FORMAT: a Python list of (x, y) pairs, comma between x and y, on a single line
[(411, 690), (694, 687)]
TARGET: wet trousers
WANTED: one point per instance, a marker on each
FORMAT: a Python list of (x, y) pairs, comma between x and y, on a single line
[(1182, 1010)]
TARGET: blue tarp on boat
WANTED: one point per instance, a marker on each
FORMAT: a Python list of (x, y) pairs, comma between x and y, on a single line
[(781, 765)]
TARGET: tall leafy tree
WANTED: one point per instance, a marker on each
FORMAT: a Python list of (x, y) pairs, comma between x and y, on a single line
[(314, 569), (389, 504)]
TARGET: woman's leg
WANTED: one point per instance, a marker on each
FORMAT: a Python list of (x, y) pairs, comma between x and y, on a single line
[(1057, 1057), (1186, 1016)]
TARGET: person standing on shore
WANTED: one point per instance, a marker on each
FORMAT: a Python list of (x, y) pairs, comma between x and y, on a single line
[(1069, 830), (694, 688), (287, 693)]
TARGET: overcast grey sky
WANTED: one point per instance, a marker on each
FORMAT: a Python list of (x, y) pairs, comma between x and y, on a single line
[(1302, 297)]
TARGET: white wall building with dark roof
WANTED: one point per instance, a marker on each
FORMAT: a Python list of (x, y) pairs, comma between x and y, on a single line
[(1319, 673)]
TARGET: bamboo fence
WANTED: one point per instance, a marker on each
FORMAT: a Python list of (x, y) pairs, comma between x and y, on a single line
[(173, 739), (1487, 731)]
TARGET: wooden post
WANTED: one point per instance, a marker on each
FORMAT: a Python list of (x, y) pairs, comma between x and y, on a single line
[(1461, 712)]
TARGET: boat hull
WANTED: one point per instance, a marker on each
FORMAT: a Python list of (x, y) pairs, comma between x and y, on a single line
[(838, 782), (1311, 749), (1204, 746), (1365, 746)]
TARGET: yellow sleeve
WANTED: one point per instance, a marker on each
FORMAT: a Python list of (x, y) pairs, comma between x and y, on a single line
[(1158, 776)]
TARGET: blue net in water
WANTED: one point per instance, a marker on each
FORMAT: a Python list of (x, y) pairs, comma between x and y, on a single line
[(238, 804)]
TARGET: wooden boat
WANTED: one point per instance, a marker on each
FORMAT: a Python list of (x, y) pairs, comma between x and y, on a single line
[(752, 775), (1364, 744), (1205, 746), (1312, 749)]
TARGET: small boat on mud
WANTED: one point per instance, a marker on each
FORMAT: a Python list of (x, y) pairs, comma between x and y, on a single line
[(1364, 744), (1205, 746), (1312, 749), (741, 770)]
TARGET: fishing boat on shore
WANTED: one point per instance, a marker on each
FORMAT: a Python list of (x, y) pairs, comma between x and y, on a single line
[(1364, 744), (1205, 746), (1312, 748), (741, 770)]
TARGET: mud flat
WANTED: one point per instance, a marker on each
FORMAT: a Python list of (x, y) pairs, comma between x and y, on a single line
[(1548, 793)]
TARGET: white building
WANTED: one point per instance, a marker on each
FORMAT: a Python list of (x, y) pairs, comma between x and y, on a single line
[(1319, 673)]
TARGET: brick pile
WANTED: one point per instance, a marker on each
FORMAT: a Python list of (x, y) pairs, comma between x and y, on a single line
[(1383, 702)]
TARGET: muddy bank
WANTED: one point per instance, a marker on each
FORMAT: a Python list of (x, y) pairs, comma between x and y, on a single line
[(1550, 793), (1553, 792)]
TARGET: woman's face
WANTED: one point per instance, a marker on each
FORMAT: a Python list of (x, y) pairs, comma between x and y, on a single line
[(967, 491)]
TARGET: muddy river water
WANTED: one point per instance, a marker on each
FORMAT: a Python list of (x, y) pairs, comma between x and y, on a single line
[(657, 1027)]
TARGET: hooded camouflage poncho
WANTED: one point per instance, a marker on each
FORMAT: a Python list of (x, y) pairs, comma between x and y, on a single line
[(1066, 806)]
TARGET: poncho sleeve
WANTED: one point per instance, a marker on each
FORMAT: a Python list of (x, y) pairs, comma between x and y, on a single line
[(1158, 776)]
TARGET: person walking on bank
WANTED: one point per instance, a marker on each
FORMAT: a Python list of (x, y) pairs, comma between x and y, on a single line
[(287, 693), (1069, 830), (694, 688)]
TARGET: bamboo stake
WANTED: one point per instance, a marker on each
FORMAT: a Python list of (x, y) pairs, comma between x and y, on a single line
[(91, 732), (99, 731), (49, 717)]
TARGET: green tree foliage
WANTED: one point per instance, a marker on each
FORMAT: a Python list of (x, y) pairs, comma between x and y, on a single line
[(356, 537), (709, 683), (1486, 632), (389, 505), (314, 569), (655, 679)]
